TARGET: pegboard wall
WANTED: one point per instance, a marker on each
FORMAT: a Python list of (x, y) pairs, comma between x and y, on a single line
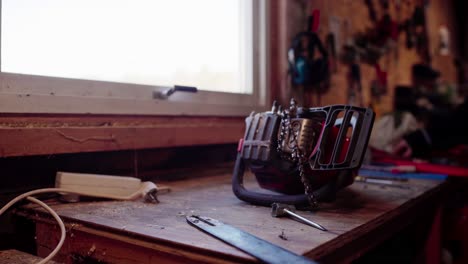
[(347, 17)]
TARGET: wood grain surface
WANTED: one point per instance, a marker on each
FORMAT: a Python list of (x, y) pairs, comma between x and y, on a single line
[(362, 216), (12, 256), (51, 134)]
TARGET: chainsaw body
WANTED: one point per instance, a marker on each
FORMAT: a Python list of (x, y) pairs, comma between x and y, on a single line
[(316, 149)]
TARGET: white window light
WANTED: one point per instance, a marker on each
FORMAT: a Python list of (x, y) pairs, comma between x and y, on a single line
[(113, 56)]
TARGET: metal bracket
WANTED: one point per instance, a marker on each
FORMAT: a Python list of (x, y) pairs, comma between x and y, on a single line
[(177, 88)]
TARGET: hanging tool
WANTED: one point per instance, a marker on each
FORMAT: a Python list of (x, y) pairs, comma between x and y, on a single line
[(278, 210), (250, 244)]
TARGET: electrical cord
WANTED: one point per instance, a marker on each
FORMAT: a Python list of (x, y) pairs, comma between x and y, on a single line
[(145, 188)]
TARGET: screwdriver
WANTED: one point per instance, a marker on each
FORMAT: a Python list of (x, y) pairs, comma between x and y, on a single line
[(278, 210)]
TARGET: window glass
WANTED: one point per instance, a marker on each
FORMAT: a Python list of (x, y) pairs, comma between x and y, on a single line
[(202, 43)]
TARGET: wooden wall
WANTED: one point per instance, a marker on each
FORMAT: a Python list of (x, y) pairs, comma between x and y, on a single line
[(288, 18)]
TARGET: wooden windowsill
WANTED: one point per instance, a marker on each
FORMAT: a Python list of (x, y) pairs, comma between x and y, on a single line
[(25, 135)]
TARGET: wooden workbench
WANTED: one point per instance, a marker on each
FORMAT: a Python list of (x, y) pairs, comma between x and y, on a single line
[(135, 232)]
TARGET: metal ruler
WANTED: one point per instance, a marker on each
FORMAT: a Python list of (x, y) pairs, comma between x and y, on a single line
[(250, 244)]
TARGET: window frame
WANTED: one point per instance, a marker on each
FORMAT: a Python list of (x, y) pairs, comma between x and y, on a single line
[(22, 93)]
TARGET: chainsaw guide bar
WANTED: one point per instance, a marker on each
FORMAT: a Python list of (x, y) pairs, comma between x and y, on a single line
[(250, 244)]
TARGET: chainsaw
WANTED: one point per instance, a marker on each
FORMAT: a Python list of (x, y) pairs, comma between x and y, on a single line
[(302, 156)]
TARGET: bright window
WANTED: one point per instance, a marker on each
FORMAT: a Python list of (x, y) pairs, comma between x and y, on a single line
[(209, 44)]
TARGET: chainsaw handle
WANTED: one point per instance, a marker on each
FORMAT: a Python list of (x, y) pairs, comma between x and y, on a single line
[(264, 199)]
